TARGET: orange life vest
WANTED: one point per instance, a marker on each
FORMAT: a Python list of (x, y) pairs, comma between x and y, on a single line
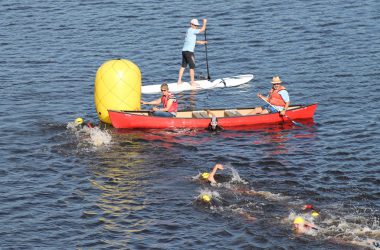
[(275, 98), (165, 99)]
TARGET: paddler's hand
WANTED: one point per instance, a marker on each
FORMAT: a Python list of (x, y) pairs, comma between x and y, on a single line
[(155, 109), (260, 95), (142, 102), (282, 112)]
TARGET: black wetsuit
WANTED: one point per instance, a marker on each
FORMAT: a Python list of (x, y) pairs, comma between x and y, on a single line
[(216, 129)]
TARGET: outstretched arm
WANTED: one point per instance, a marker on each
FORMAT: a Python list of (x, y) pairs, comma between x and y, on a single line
[(213, 171), (201, 42), (154, 102)]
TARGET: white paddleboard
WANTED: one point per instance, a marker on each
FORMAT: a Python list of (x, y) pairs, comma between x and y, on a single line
[(200, 84)]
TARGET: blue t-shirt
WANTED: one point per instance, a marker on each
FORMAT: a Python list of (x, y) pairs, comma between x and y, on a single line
[(284, 94), (190, 40)]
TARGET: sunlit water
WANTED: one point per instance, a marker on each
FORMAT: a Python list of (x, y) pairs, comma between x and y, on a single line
[(102, 188)]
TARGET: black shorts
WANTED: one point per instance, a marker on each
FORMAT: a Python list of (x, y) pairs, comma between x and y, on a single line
[(188, 58)]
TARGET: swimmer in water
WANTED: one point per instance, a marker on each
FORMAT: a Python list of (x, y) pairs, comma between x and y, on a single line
[(213, 125), (214, 178), (210, 200), (302, 226), (211, 176), (79, 122), (309, 209)]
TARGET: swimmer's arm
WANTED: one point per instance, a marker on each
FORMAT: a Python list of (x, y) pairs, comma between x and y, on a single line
[(213, 171), (311, 225)]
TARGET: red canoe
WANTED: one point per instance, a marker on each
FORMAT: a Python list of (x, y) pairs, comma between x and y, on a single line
[(201, 118)]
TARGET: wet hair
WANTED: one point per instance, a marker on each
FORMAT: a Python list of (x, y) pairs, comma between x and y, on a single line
[(216, 127)]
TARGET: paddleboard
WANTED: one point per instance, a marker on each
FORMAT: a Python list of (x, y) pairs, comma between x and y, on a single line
[(200, 84)]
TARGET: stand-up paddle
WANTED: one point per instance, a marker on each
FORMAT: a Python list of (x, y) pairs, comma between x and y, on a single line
[(208, 73), (294, 122)]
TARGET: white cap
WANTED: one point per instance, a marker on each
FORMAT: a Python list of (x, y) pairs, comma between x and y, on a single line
[(194, 22)]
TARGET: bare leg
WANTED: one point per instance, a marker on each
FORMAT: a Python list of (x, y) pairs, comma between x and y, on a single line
[(192, 73), (257, 110), (180, 74)]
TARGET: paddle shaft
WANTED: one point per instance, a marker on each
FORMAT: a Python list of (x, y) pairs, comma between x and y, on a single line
[(208, 72), (294, 122)]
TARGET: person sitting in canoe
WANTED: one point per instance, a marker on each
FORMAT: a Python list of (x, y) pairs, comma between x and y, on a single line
[(278, 99), (168, 100), (213, 125)]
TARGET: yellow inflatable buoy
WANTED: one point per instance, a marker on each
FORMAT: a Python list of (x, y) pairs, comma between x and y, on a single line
[(118, 87)]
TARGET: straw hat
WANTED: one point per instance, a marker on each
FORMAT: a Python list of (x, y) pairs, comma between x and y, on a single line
[(276, 79)]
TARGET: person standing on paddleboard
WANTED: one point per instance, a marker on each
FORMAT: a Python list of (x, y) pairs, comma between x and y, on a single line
[(168, 100), (188, 49), (278, 99)]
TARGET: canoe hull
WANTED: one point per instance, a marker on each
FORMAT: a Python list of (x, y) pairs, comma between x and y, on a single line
[(134, 120)]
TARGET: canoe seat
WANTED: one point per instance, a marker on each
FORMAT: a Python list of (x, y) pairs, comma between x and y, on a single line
[(200, 114), (231, 112)]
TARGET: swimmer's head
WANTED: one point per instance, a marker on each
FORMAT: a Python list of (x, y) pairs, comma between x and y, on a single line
[(307, 206), (298, 220), (79, 121), (314, 214), (205, 175), (206, 198), (214, 122)]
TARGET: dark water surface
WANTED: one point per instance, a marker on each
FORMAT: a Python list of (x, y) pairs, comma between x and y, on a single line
[(120, 189)]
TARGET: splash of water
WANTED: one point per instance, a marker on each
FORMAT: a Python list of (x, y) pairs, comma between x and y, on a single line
[(346, 227), (90, 136), (235, 175)]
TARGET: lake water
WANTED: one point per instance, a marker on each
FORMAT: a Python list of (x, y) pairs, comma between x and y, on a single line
[(117, 189)]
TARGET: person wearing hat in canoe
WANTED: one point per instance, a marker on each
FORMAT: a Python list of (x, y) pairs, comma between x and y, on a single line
[(188, 49), (168, 101), (278, 98)]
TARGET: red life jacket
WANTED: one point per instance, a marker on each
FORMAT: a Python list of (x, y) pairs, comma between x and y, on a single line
[(275, 98), (165, 99)]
